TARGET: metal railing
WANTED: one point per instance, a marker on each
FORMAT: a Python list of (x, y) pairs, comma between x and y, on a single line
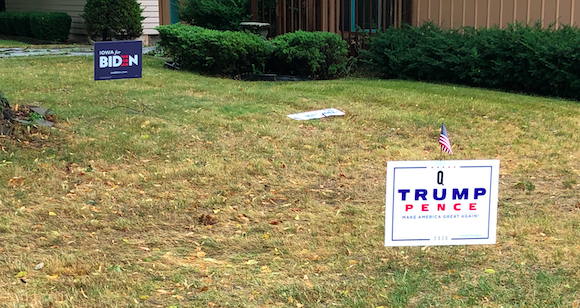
[(338, 16)]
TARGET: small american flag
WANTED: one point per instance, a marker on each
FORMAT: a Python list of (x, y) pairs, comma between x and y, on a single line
[(444, 140)]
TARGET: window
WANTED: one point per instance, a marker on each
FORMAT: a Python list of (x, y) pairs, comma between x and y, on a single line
[(364, 15)]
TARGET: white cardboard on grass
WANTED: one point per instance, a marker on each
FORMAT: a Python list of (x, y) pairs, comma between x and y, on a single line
[(316, 114), (463, 220)]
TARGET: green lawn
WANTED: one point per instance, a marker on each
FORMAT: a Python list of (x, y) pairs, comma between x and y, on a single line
[(179, 190), (11, 44)]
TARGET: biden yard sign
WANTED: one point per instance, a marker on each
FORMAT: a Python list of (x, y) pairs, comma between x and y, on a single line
[(432, 203), (118, 60)]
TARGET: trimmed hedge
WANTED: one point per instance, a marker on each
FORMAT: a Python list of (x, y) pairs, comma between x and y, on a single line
[(21, 24), (50, 26), (520, 58), (214, 52), (306, 54), (316, 54)]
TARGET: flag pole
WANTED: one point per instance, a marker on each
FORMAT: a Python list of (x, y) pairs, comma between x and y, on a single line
[(445, 144)]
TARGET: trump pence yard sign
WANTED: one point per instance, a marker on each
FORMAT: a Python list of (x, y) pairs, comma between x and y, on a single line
[(441, 202), (118, 60)]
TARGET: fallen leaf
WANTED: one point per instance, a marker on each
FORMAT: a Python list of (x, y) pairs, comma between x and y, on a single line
[(15, 182), (21, 274), (490, 271), (275, 222), (51, 214), (251, 262), (207, 220)]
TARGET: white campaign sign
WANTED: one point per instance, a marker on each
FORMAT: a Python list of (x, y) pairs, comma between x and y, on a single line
[(432, 203), (316, 114)]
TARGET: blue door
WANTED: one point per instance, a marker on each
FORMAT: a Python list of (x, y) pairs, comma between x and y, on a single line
[(174, 11)]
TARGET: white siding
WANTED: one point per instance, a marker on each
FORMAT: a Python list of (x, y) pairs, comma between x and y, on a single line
[(151, 14), (75, 9)]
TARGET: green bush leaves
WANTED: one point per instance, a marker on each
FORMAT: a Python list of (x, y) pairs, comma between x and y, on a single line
[(49, 26), (215, 14), (52, 26), (306, 54), (214, 52), (521, 58), (106, 20), (316, 54)]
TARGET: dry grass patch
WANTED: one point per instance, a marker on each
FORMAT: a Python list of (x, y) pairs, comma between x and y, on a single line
[(187, 191)]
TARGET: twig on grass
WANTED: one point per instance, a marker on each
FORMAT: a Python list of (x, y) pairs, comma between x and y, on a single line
[(144, 109)]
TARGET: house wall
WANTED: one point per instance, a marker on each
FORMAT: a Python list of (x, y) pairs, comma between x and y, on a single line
[(75, 9), (151, 14), (487, 13)]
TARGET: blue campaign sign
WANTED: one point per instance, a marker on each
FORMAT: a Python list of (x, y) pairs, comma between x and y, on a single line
[(118, 60)]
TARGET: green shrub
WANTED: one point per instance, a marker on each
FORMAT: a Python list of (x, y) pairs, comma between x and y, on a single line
[(215, 14), (21, 23), (214, 52), (53, 26), (315, 54), (522, 58), (113, 19), (14, 23), (6, 27)]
